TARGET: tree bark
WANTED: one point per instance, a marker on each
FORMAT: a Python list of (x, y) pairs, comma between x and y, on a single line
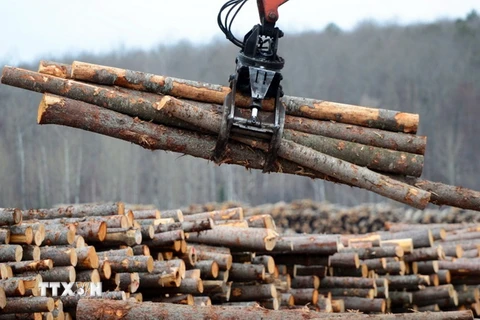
[(10, 252), (374, 158), (9, 217), (61, 256), (254, 239), (243, 272), (28, 266), (76, 211), (29, 305), (13, 287), (307, 108)]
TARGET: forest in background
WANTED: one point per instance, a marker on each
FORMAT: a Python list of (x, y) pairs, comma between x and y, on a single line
[(431, 69)]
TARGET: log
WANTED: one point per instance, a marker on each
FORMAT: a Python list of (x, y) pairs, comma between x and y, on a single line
[(265, 221), (344, 259), (300, 282), (88, 276), (128, 251), (55, 69), (61, 256), (128, 282), (58, 235), (425, 254), (27, 266), (432, 294), (362, 271), (252, 292), (76, 211), (227, 214), (125, 236), (13, 287), (407, 281), (371, 137), (347, 282), (425, 267), (267, 261), (131, 264), (92, 231), (165, 239), (146, 214), (56, 274), (176, 215), (243, 272), (308, 244), (443, 194), (10, 252), (348, 292), (374, 158), (10, 216), (186, 226), (29, 305), (21, 235), (87, 258), (104, 269), (107, 309), (4, 236), (208, 268), (237, 238), (217, 290), (364, 305), (307, 108), (62, 115), (304, 296)]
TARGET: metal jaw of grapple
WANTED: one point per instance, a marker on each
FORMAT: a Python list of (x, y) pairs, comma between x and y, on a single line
[(258, 76)]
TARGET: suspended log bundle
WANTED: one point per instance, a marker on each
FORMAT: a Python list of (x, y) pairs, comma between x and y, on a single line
[(254, 270), (369, 148)]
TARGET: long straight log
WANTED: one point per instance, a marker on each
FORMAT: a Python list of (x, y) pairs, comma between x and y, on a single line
[(374, 158), (255, 239), (29, 305), (76, 211), (308, 108)]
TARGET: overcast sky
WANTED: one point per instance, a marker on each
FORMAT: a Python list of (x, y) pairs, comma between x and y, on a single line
[(36, 29)]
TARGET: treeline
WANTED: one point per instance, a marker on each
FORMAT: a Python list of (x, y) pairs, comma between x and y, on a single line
[(431, 69)]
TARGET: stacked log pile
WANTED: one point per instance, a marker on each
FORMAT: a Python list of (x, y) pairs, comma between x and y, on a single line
[(155, 262), (308, 216), (368, 148)]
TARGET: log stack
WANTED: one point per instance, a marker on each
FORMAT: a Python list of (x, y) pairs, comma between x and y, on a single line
[(369, 148), (176, 263), (307, 216)]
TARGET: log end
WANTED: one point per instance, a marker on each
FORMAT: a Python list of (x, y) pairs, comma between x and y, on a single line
[(95, 276), (19, 253), (17, 216), (121, 208), (47, 101), (102, 231)]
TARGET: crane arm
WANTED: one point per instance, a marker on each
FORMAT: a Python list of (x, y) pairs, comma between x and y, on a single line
[(268, 10)]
